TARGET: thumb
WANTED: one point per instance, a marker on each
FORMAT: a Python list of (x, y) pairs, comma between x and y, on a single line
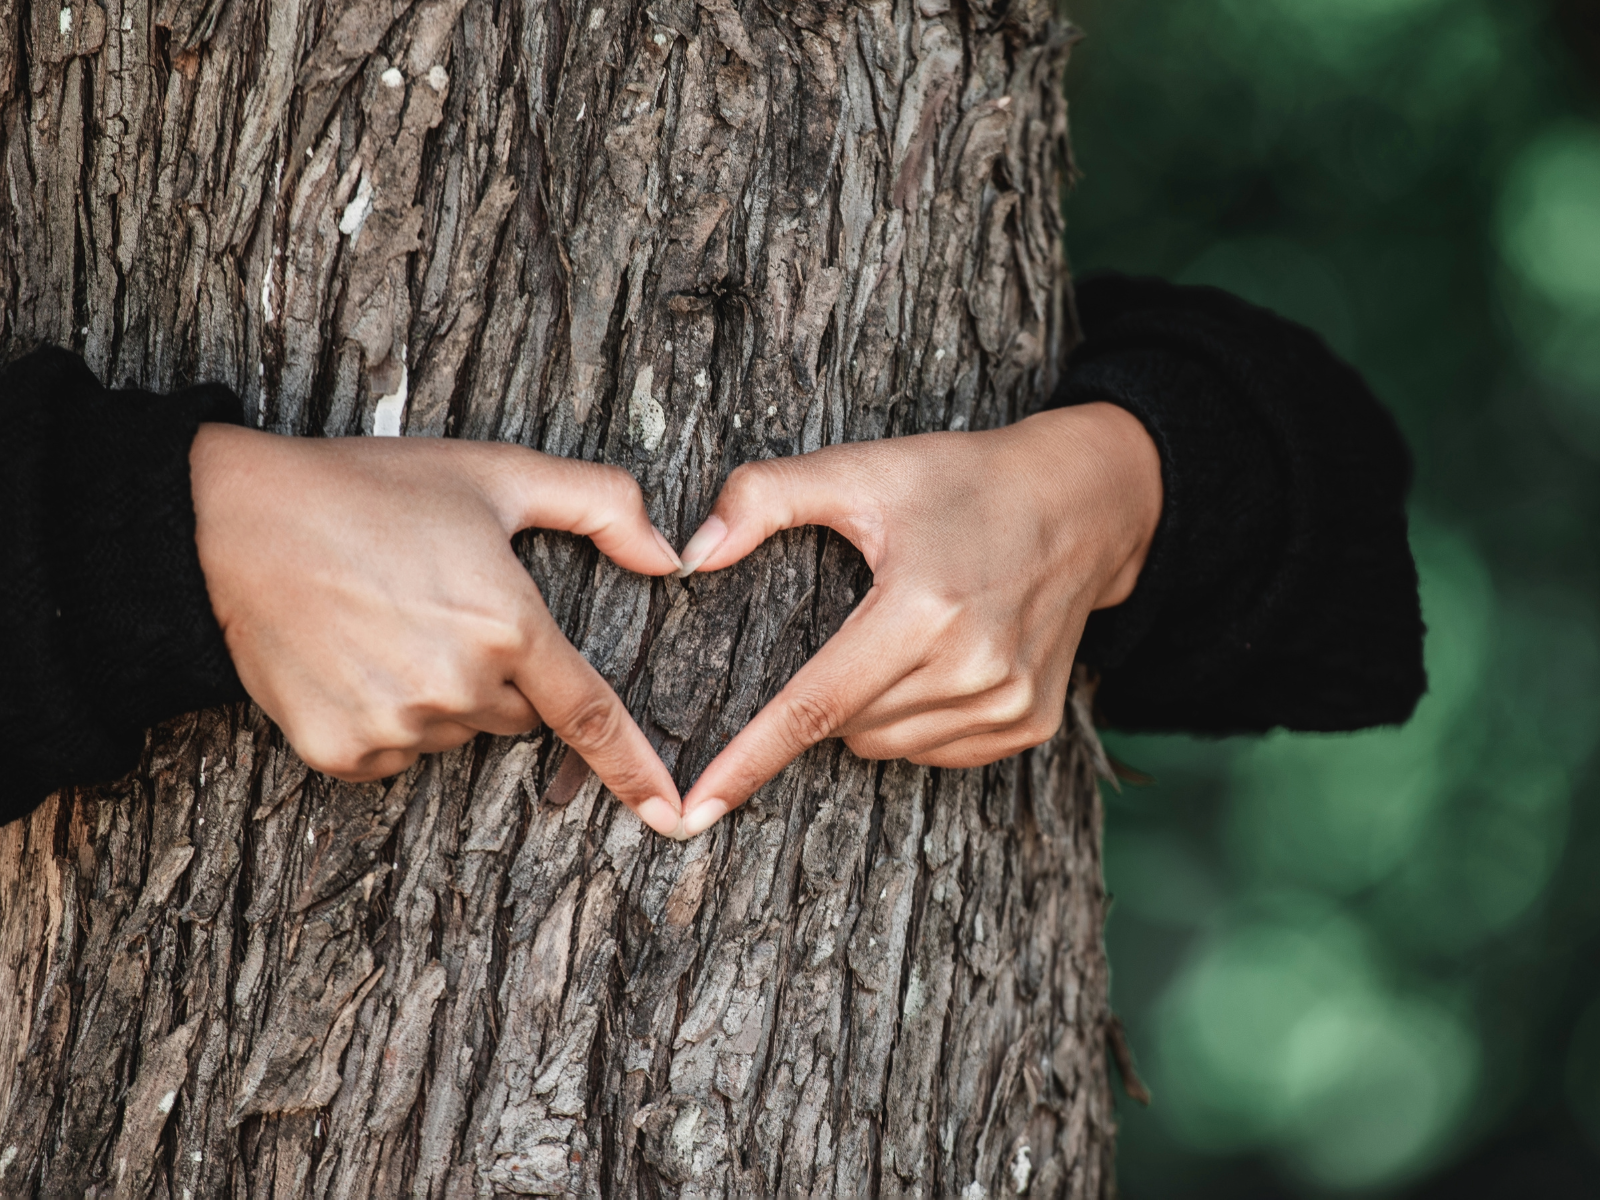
[(831, 487), (530, 490)]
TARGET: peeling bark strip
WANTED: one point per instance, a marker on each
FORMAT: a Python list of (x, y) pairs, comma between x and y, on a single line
[(673, 236)]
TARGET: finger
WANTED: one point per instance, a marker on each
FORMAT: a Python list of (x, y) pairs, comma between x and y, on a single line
[(505, 712), (582, 710), (987, 693), (940, 703), (435, 736), (330, 742), (872, 650), (925, 733), (532, 490), (444, 735), (920, 734), (832, 487), (378, 764), (977, 751)]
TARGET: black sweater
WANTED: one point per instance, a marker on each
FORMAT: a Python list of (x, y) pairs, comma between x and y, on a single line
[(1279, 589)]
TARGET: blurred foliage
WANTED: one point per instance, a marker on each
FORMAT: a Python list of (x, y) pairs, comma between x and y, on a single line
[(1349, 962)]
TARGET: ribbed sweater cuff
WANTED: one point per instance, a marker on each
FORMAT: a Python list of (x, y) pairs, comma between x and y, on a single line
[(137, 612), (109, 625), (1280, 589), (1222, 518)]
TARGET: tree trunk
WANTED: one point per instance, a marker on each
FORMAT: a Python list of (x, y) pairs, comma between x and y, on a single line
[(672, 236)]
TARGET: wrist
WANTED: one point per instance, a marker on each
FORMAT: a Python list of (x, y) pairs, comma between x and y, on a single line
[(1105, 472), (220, 463)]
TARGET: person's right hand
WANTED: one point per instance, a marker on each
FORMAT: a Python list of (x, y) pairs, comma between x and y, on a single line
[(375, 610)]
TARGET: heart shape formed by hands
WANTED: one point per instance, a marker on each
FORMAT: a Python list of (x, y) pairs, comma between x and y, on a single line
[(374, 608), (988, 552)]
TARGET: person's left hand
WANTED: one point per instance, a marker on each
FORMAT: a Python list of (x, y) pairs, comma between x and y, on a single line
[(988, 552)]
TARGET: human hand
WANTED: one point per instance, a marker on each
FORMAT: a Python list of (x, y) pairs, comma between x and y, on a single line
[(375, 610), (988, 552)]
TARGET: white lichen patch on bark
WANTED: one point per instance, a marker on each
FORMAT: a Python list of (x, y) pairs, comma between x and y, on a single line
[(360, 207), (388, 414), (647, 421)]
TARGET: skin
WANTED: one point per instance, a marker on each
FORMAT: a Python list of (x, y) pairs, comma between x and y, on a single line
[(988, 552), (375, 610)]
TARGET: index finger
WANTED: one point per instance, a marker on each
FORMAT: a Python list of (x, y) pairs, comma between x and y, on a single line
[(837, 486), (580, 707), (872, 651), (529, 489)]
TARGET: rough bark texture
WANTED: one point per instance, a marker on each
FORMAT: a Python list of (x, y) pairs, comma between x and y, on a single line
[(672, 236)]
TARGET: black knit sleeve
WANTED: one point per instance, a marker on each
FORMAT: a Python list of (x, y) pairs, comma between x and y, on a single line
[(105, 623), (1280, 588)]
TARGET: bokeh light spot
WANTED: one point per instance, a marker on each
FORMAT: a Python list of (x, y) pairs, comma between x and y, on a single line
[(1549, 217)]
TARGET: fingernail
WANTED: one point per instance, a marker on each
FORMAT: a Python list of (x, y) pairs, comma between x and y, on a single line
[(666, 548), (706, 539), (662, 817), (703, 816)]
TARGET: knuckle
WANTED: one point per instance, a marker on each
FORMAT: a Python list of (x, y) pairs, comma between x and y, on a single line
[(935, 614), (341, 757), (611, 495), (747, 484), (444, 695), (503, 634), (624, 488), (391, 725), (382, 765), (396, 762), (389, 731), (809, 718), (1012, 703), (1039, 728), (984, 670), (593, 721)]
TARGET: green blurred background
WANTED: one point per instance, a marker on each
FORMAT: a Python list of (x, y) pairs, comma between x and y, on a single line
[(1370, 964)]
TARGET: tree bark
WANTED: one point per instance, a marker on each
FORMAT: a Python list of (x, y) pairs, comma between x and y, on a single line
[(672, 236)]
